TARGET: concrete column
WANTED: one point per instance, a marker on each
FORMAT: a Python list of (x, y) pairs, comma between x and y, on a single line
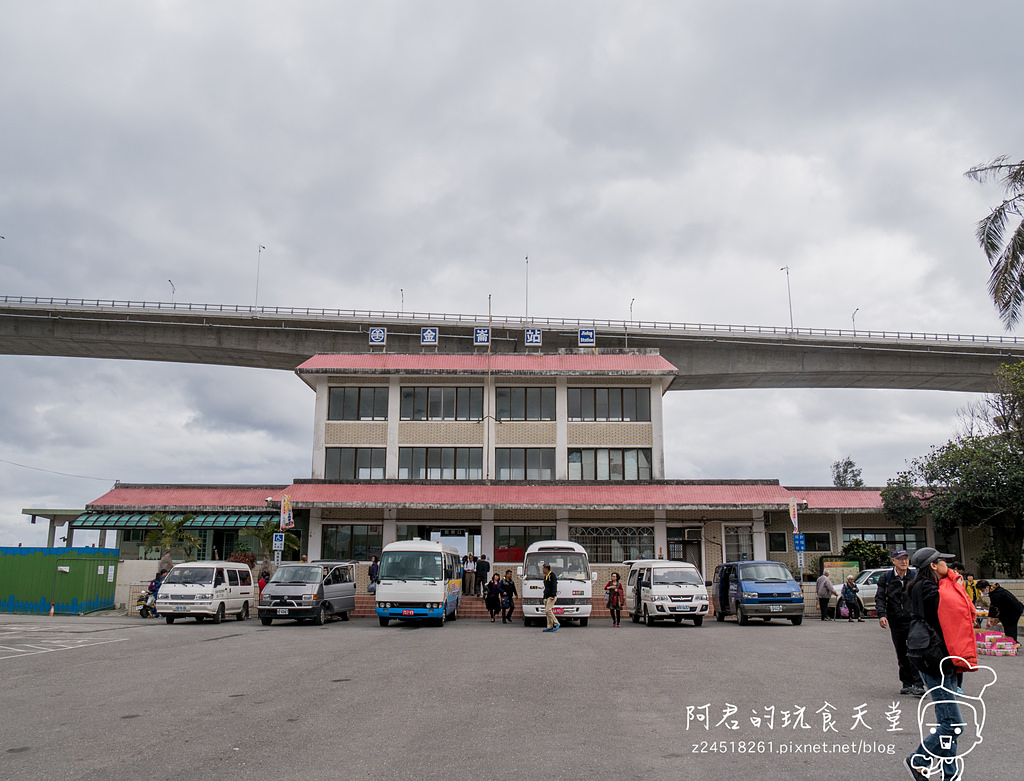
[(319, 427), (660, 535), (390, 530), (562, 524), (657, 433), (102, 542), (51, 535), (315, 537), (561, 428), (71, 536), (490, 428), (487, 534), (394, 418)]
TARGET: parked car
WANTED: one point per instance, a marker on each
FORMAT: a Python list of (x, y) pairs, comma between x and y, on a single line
[(314, 591), (756, 589), (867, 584)]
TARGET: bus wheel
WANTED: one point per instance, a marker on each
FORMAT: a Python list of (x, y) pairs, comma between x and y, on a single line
[(584, 621), (383, 621)]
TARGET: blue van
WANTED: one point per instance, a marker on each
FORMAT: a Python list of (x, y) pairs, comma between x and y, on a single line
[(756, 589)]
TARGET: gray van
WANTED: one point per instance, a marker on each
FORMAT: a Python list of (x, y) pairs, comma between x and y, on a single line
[(313, 590)]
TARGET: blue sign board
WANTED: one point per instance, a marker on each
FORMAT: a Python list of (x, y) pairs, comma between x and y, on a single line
[(481, 337), (533, 337), (587, 337), (799, 542), (429, 336), (378, 335), (278, 540)]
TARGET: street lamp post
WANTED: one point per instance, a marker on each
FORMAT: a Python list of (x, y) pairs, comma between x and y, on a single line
[(790, 294)]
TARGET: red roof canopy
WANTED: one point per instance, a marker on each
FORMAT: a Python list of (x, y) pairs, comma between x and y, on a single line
[(481, 363)]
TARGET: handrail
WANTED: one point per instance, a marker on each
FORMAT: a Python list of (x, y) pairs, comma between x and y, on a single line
[(617, 326)]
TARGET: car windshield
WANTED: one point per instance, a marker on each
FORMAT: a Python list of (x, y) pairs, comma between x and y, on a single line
[(765, 570), (306, 574), (686, 577), (410, 565), (193, 576), (567, 565)]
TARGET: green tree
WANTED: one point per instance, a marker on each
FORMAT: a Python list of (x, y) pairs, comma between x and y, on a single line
[(170, 532), (1003, 244), (869, 554), (846, 474), (264, 536), (901, 501)]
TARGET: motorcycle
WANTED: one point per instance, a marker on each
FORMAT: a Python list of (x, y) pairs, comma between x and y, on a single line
[(146, 604)]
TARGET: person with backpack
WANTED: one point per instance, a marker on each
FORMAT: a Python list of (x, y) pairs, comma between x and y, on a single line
[(892, 604)]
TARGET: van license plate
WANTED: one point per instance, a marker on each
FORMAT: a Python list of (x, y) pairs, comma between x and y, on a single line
[(180, 609), (408, 612), (774, 608), (282, 611)]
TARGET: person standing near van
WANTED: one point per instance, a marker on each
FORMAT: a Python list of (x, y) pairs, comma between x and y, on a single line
[(508, 597), (615, 596), (492, 596), (825, 591), (550, 595), (892, 604), (469, 587), (374, 569), (483, 574)]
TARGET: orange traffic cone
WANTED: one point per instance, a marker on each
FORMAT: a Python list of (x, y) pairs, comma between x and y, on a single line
[(51, 609)]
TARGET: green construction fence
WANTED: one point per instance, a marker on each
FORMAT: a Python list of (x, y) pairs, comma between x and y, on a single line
[(73, 580)]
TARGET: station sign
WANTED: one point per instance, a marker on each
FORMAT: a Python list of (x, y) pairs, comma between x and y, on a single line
[(378, 335), (799, 542), (587, 337), (429, 337), (533, 337), (481, 337)]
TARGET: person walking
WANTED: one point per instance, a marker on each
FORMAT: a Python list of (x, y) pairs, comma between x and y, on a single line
[(892, 605), (469, 575), (508, 597), (483, 574), (938, 600), (615, 596), (825, 591), (550, 595), (1003, 608), (492, 596), (851, 600)]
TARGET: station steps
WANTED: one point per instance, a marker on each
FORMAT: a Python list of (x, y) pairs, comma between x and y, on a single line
[(471, 607)]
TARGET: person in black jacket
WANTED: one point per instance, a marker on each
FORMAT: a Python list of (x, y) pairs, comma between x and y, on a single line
[(550, 595), (892, 603), (1004, 608), (483, 574), (508, 597)]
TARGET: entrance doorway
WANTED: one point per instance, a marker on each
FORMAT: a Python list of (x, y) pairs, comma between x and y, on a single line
[(465, 539)]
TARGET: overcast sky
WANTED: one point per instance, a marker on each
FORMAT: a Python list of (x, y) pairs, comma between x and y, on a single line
[(675, 153)]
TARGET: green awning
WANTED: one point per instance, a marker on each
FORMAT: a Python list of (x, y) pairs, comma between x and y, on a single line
[(201, 520)]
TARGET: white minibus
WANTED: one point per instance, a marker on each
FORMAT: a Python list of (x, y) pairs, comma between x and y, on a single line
[(571, 566), (418, 580)]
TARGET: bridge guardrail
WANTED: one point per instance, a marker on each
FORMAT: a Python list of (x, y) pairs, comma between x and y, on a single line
[(615, 326)]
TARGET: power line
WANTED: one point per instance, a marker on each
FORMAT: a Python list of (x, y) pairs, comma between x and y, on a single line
[(53, 472)]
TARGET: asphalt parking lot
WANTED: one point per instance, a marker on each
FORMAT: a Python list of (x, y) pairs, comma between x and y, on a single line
[(120, 697)]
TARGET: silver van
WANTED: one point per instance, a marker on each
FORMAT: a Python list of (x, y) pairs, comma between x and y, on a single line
[(313, 590)]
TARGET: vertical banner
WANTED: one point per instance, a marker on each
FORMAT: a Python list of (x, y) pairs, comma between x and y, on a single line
[(287, 521), (792, 515)]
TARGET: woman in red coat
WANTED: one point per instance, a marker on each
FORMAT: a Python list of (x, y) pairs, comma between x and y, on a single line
[(615, 597)]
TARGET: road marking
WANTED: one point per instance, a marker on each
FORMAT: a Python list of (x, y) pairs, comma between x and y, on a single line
[(81, 644)]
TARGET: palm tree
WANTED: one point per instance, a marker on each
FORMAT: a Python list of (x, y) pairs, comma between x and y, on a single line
[(1005, 253), (168, 533), (264, 535)]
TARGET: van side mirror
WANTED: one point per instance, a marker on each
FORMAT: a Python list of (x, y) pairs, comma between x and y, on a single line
[(519, 571), (708, 583), (645, 584)]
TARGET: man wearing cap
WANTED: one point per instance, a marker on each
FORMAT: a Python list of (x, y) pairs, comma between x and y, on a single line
[(892, 603)]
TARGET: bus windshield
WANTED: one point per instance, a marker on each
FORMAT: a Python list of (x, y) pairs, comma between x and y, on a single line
[(567, 565), (410, 565), (686, 577), (301, 574)]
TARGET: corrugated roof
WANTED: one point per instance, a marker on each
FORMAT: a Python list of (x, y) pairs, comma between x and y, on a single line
[(463, 363), (187, 497)]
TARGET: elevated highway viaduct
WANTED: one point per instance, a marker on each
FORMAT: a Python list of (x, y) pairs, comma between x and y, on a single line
[(707, 356)]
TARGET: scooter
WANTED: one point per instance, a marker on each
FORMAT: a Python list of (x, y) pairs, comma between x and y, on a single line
[(146, 604)]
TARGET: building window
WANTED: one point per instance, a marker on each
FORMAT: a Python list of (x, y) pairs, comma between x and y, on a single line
[(818, 541), (610, 464), (739, 543), (525, 403), (440, 463), (511, 542), (777, 542), (357, 404), (445, 403), (604, 404), (524, 463), (614, 544), (354, 463), (342, 542), (891, 539)]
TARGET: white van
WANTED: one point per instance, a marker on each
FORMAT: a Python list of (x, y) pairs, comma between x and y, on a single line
[(571, 565), (418, 580), (660, 590), (207, 589)]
